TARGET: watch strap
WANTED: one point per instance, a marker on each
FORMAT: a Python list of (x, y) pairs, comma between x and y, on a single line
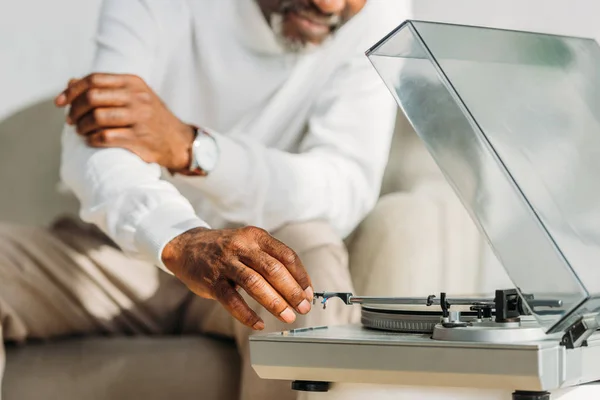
[(193, 160), (195, 168)]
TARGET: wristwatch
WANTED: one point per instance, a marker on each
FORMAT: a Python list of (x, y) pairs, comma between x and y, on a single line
[(205, 153)]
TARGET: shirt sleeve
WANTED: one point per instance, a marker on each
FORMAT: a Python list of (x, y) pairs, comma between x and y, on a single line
[(119, 192), (335, 176)]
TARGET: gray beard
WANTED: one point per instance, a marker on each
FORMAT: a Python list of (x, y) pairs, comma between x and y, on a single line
[(290, 45)]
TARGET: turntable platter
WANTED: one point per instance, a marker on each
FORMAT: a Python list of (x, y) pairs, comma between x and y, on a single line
[(405, 319)]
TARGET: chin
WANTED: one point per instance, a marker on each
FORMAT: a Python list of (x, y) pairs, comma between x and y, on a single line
[(290, 38)]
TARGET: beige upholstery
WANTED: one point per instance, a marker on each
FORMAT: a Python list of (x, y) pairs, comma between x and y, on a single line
[(123, 368), (426, 241)]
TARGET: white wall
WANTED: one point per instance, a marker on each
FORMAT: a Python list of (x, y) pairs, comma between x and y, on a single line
[(42, 44), (567, 17), (45, 42)]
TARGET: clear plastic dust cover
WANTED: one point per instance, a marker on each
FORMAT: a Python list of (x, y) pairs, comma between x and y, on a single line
[(513, 120)]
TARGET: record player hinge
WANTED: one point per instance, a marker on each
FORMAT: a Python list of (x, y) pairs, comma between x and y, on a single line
[(578, 333)]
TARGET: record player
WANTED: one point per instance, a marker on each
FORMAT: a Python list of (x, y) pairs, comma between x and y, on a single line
[(513, 121)]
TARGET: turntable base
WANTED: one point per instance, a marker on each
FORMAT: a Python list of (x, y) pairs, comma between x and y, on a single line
[(352, 354)]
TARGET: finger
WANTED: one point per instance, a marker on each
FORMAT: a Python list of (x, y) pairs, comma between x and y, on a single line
[(260, 290), (97, 98), (61, 99), (236, 306), (94, 80), (279, 277), (100, 118), (116, 137), (289, 258)]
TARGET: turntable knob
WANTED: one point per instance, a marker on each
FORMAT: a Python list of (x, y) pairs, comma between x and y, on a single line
[(453, 320), (454, 316)]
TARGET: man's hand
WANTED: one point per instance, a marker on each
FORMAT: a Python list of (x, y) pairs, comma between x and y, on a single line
[(122, 111), (214, 263)]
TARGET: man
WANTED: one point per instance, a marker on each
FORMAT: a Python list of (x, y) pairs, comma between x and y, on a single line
[(201, 121)]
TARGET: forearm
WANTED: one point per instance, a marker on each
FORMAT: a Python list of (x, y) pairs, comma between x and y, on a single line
[(125, 197)]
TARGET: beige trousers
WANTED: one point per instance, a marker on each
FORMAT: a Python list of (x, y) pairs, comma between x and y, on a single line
[(69, 280)]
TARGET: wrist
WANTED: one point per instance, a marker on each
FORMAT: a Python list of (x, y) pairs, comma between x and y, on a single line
[(183, 156), (173, 254)]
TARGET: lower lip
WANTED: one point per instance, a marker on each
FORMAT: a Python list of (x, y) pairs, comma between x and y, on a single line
[(309, 26)]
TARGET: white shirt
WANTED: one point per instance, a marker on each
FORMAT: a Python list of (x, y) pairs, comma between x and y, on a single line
[(301, 136)]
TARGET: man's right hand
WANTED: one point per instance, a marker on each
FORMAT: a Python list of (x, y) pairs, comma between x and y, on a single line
[(215, 263)]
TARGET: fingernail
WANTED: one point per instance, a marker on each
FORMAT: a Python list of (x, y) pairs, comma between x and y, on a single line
[(61, 99), (259, 326), (304, 307), (288, 315), (309, 293)]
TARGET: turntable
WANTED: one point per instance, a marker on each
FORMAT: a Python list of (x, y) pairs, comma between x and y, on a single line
[(513, 120), (498, 320)]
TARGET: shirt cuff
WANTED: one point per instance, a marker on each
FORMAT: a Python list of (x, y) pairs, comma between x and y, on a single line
[(161, 226), (231, 172)]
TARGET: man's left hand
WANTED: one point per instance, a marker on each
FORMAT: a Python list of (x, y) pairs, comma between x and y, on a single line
[(112, 110)]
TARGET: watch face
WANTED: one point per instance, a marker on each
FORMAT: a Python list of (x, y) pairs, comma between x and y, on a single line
[(206, 152)]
